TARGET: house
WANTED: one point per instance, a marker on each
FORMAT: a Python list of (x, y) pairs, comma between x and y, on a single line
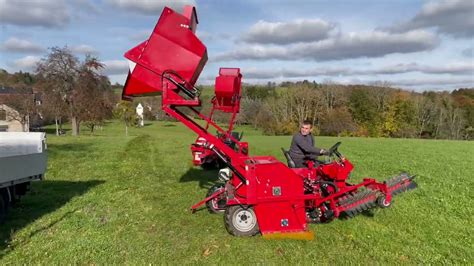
[(9, 120), (12, 101)]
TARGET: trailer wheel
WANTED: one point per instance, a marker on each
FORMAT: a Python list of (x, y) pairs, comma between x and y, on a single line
[(216, 205), (241, 221)]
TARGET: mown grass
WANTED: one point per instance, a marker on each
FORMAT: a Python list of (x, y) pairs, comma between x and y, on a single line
[(109, 199)]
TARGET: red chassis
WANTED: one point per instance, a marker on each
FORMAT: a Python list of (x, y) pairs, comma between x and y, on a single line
[(259, 194)]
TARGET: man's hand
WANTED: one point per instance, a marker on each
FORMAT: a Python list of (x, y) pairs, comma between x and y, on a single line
[(323, 152)]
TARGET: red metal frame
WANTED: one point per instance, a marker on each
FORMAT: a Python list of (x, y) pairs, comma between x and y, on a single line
[(284, 199)]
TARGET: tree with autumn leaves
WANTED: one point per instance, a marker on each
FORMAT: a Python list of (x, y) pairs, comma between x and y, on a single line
[(377, 110), (74, 90)]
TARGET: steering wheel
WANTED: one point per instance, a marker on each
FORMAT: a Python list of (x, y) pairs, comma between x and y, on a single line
[(333, 150)]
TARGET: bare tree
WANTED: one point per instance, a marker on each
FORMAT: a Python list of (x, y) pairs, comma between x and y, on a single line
[(58, 74), (382, 92), (333, 95), (425, 113), (75, 88)]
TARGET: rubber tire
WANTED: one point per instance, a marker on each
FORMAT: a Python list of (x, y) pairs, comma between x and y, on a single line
[(382, 203), (209, 204), (230, 217)]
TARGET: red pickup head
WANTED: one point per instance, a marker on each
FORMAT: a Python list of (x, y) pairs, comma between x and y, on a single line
[(228, 90), (172, 46)]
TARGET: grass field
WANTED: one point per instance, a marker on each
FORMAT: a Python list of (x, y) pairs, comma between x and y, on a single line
[(108, 199)]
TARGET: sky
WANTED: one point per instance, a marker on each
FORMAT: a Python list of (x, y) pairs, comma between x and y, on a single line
[(410, 44)]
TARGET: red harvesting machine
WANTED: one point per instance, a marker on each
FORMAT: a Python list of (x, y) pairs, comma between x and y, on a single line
[(257, 194)]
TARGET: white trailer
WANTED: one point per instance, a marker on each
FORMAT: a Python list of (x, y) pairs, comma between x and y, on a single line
[(23, 159)]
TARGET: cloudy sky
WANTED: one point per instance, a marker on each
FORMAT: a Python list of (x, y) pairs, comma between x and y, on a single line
[(417, 45)]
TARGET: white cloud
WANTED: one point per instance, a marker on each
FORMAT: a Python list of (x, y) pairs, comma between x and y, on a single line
[(115, 67), (210, 37), (44, 13), (262, 73), (271, 73), (27, 63), (150, 7), (301, 30), (16, 45), (84, 49), (436, 82), (458, 68), (345, 46), (417, 84), (452, 17)]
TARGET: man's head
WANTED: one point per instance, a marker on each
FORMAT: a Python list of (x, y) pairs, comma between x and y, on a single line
[(306, 127)]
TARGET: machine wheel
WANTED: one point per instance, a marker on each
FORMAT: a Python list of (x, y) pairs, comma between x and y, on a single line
[(382, 202), (241, 221), (218, 204)]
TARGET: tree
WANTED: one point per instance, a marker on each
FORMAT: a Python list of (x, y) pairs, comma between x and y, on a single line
[(93, 95), (425, 113), (58, 73), (333, 95), (53, 107), (292, 107), (75, 88), (338, 121), (400, 116), (125, 111), (364, 111)]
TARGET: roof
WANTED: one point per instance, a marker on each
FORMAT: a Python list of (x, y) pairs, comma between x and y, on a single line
[(10, 90)]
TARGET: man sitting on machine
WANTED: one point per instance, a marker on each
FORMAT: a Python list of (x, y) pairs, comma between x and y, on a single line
[(302, 146)]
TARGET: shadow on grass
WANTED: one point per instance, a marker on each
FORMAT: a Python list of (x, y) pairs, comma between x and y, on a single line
[(45, 197), (206, 178)]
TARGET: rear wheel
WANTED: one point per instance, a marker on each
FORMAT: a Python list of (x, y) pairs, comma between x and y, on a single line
[(216, 205), (241, 221)]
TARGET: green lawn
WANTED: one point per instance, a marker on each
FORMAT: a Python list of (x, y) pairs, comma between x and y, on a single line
[(108, 199)]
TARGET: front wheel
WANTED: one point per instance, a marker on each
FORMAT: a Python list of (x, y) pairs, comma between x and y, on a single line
[(241, 221), (216, 205)]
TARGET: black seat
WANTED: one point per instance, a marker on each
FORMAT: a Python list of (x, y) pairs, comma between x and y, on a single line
[(289, 160), (229, 142)]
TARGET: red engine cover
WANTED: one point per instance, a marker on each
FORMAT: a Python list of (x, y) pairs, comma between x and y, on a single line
[(279, 193)]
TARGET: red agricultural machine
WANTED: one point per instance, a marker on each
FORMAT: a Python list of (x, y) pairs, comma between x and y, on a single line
[(258, 194)]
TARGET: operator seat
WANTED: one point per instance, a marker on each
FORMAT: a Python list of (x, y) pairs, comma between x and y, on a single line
[(289, 160)]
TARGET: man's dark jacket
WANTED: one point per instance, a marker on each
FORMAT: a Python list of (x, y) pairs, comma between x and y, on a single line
[(302, 148)]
